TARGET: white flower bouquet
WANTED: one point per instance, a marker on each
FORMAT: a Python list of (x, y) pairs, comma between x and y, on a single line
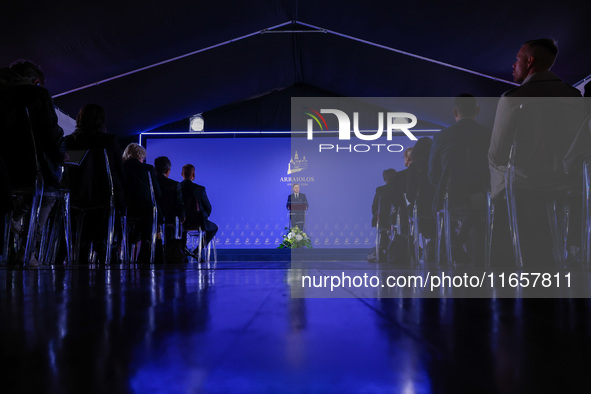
[(295, 238)]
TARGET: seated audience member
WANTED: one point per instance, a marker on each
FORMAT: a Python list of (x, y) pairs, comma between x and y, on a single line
[(420, 193), (197, 206), (171, 205), (88, 181), (22, 92), (539, 166), (397, 244), (381, 209), (458, 165), (136, 176)]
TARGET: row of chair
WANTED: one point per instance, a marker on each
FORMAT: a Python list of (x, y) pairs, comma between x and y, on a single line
[(59, 227), (560, 195)]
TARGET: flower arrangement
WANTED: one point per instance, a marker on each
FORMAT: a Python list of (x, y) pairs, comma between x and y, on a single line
[(295, 238)]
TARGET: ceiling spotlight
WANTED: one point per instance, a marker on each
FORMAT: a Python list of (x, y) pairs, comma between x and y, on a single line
[(196, 123)]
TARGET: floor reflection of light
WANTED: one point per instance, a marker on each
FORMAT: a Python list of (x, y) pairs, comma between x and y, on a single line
[(174, 376), (416, 309), (63, 318), (13, 287), (409, 387), (494, 326), (152, 288), (123, 288)]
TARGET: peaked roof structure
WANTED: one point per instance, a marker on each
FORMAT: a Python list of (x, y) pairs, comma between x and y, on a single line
[(152, 63)]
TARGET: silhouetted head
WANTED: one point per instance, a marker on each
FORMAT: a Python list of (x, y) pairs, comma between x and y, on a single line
[(388, 175), (188, 172), (91, 119), (534, 56), (28, 70), (465, 106), (134, 151), (162, 165)]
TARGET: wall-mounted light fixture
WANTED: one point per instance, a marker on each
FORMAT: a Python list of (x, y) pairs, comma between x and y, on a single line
[(196, 123)]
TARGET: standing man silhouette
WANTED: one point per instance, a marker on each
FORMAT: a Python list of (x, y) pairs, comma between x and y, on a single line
[(539, 169), (297, 204)]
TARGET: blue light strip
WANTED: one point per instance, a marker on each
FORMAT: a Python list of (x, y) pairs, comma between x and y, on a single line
[(269, 30), (170, 60), (149, 134)]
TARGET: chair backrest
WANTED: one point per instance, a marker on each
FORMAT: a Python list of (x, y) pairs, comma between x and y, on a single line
[(580, 148), (5, 193), (90, 182), (466, 167), (110, 175), (19, 147), (194, 214), (544, 129)]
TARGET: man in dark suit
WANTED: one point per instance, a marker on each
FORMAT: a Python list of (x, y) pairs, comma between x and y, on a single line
[(297, 204), (543, 138), (459, 156), (532, 71), (171, 203), (458, 165), (197, 206), (398, 188), (381, 208), (171, 207), (382, 200)]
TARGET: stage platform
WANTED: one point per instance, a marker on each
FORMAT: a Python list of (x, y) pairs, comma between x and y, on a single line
[(352, 254)]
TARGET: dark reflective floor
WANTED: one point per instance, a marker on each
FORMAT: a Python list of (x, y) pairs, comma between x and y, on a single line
[(236, 329)]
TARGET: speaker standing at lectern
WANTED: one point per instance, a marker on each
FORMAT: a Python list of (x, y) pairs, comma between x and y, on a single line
[(297, 204)]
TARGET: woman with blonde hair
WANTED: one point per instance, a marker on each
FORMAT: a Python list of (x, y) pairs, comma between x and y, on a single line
[(138, 195)]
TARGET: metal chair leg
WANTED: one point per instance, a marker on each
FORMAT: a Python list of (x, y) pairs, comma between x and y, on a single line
[(110, 232), (512, 211), (33, 219), (439, 236), (6, 244), (124, 252), (490, 215), (447, 229), (67, 218)]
